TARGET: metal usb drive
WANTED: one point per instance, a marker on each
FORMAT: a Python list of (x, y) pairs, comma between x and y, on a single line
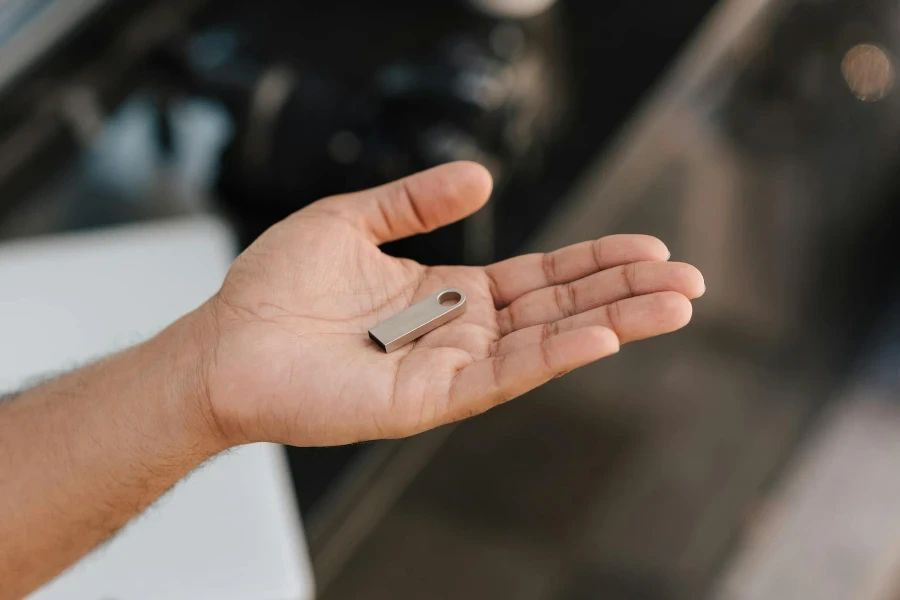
[(419, 319)]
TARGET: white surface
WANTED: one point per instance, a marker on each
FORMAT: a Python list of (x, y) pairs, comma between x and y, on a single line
[(231, 530)]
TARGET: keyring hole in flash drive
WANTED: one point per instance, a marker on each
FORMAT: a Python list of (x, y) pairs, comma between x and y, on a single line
[(449, 298)]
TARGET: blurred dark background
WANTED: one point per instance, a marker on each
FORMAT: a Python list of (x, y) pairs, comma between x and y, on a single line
[(758, 138)]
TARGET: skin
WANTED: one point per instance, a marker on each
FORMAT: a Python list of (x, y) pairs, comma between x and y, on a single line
[(281, 354)]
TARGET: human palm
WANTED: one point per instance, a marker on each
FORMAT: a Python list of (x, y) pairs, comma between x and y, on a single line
[(294, 364)]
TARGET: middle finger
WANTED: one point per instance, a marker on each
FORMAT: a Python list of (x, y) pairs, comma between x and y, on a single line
[(565, 300)]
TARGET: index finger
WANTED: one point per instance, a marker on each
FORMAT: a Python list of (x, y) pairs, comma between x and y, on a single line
[(522, 274)]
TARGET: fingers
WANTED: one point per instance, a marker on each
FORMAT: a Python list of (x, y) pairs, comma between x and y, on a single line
[(517, 276), (416, 204), (631, 319), (565, 300), (491, 381)]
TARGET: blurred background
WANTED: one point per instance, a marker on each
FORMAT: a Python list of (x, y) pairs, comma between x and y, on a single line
[(753, 455)]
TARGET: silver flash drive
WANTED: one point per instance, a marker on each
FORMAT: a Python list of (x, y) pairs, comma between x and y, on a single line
[(419, 319)]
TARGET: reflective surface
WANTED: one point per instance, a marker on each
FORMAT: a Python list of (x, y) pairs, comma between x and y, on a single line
[(419, 319)]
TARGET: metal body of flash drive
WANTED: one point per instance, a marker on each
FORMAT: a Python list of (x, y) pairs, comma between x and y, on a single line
[(419, 319)]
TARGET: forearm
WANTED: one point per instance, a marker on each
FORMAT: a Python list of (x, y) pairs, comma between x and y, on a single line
[(83, 454)]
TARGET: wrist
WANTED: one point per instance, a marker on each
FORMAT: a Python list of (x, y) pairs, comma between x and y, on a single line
[(184, 352)]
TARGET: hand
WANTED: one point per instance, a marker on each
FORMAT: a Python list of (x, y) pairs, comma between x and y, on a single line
[(292, 362)]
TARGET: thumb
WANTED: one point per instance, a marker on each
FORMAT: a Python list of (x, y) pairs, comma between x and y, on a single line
[(416, 204)]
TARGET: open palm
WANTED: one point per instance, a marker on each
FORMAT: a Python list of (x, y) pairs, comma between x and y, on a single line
[(293, 362)]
